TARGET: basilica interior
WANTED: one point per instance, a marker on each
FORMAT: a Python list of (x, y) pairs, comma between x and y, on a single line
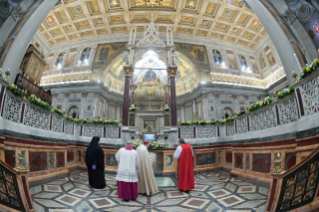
[(237, 79)]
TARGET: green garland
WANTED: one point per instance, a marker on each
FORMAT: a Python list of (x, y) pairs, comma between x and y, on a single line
[(240, 113), (58, 111), (261, 104), (100, 121), (285, 92), (309, 68), (38, 102), (15, 90)]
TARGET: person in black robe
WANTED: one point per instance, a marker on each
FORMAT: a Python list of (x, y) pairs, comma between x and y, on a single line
[(95, 163)]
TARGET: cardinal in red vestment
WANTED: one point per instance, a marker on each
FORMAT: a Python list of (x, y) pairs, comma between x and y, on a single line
[(184, 153)]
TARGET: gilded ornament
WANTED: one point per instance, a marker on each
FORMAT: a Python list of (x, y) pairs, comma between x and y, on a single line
[(294, 75), (128, 70), (7, 74), (20, 166), (277, 162)]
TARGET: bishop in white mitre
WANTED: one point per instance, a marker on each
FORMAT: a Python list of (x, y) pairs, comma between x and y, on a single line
[(146, 179)]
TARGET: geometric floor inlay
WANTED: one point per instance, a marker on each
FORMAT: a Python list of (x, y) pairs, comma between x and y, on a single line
[(215, 191)]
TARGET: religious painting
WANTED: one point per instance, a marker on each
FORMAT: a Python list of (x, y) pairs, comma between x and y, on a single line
[(232, 62), (262, 61), (255, 67), (104, 51), (197, 52), (191, 5), (271, 59), (48, 64), (69, 61), (149, 124)]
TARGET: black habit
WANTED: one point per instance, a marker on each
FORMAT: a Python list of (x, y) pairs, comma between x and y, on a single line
[(95, 157)]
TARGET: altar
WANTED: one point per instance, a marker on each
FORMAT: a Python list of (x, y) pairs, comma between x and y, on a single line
[(149, 104)]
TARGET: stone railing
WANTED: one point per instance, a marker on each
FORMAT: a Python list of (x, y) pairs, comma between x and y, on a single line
[(21, 111), (297, 187), (303, 102), (15, 194)]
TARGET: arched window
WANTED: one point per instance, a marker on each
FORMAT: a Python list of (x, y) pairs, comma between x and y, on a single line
[(59, 60), (243, 62), (217, 57), (85, 55)]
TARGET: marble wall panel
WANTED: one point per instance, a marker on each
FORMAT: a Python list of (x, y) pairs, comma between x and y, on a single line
[(261, 162), (229, 157), (37, 161), (51, 160), (110, 160), (239, 160), (70, 156), (205, 159), (10, 157), (247, 161), (60, 159), (290, 160), (79, 152)]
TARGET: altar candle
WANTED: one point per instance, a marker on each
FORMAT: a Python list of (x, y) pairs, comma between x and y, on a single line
[(278, 154)]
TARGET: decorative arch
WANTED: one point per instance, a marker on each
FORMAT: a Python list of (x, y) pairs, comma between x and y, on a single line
[(227, 112), (74, 112)]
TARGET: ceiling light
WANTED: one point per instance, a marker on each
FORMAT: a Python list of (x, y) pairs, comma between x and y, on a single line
[(59, 66)]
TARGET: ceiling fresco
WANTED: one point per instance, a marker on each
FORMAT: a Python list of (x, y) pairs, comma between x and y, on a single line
[(228, 21)]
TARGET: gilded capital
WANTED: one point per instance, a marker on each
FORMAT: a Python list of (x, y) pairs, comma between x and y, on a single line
[(167, 88), (133, 87), (128, 70), (172, 71)]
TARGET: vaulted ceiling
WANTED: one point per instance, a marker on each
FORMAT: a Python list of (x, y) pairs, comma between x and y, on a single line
[(228, 21)]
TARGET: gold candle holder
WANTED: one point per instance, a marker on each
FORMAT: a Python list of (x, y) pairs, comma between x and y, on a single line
[(277, 162), (294, 75), (7, 74), (20, 166)]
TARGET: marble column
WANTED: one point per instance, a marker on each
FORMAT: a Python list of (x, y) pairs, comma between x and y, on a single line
[(84, 104), (172, 73), (118, 108), (182, 112), (278, 37), (23, 39), (126, 98), (194, 111), (205, 106), (167, 88), (133, 88), (65, 102)]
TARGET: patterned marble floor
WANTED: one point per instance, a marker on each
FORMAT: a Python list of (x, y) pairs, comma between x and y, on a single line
[(214, 192)]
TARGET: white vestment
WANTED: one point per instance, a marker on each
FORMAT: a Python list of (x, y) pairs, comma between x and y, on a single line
[(146, 179), (129, 164)]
